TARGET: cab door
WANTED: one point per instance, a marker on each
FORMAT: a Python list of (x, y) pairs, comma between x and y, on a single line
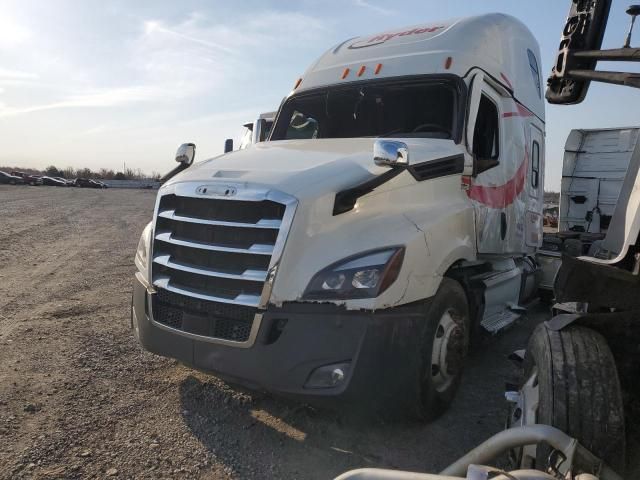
[(491, 165)]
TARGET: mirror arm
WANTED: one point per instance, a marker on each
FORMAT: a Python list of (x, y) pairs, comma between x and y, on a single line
[(173, 172), (346, 199)]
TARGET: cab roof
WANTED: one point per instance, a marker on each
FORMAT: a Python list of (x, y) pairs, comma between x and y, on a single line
[(499, 44)]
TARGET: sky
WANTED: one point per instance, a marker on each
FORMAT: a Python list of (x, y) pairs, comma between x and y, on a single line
[(109, 83)]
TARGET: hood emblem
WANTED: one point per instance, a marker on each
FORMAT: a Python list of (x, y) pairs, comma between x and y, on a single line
[(216, 190)]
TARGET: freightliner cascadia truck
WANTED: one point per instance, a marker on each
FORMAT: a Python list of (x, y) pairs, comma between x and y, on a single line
[(391, 216)]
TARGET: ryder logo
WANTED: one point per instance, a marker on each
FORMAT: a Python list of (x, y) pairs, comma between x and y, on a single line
[(383, 37)]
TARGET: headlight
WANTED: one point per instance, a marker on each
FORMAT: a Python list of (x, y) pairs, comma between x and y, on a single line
[(365, 275), (142, 253)]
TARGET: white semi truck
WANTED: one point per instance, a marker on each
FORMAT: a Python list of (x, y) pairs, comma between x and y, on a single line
[(253, 132), (393, 212)]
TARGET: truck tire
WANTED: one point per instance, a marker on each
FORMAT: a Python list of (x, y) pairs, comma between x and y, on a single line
[(443, 349), (578, 391)]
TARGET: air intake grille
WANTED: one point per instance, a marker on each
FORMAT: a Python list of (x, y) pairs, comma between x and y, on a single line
[(210, 262), (201, 317), (437, 168)]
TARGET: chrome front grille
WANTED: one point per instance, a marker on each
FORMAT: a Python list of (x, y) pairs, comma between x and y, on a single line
[(216, 253)]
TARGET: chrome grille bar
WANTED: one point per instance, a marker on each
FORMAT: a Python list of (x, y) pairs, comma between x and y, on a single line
[(242, 299), (256, 249), (249, 275), (263, 223)]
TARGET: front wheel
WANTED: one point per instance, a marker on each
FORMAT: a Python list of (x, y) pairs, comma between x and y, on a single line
[(571, 383), (443, 349)]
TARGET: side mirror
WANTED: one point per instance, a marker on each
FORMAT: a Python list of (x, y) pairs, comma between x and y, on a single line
[(228, 145), (186, 153), (390, 153)]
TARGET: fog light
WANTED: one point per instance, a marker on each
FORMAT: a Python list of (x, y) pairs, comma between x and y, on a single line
[(328, 376)]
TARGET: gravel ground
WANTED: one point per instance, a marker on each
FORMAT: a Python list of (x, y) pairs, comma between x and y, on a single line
[(80, 399)]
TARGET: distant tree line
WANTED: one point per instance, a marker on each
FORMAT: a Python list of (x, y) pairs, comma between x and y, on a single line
[(551, 197), (102, 174)]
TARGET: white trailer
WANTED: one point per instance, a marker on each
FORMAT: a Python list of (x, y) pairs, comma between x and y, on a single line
[(595, 164), (393, 212)]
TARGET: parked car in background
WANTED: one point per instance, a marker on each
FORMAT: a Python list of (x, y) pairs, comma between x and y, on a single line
[(10, 179), (81, 182), (85, 183), (100, 184), (68, 183), (53, 182), (28, 178)]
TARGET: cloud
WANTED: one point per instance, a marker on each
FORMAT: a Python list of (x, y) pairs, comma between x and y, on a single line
[(197, 54), (93, 99), (375, 8), (11, 32), (167, 60), (234, 117), (16, 75), (258, 29), (94, 130), (154, 26)]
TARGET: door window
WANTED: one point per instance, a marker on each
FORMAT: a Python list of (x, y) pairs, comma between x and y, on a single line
[(486, 135)]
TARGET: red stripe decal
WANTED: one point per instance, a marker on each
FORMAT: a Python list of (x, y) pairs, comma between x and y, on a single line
[(502, 195), (522, 112), (508, 82)]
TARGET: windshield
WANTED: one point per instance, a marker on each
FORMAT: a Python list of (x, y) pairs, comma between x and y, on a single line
[(423, 108)]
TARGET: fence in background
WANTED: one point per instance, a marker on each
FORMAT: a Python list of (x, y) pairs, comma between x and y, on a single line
[(149, 184)]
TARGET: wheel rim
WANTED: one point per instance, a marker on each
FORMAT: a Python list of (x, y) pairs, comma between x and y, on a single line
[(447, 354)]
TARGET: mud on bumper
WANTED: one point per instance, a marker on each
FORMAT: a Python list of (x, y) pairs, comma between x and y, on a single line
[(378, 351)]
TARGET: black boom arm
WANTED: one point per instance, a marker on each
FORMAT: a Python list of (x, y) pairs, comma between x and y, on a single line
[(579, 53)]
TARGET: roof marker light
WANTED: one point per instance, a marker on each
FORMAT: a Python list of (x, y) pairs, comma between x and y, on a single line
[(378, 68), (361, 70), (298, 82), (447, 63), (345, 73)]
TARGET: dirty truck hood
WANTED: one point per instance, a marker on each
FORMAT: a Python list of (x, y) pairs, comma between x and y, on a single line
[(306, 167)]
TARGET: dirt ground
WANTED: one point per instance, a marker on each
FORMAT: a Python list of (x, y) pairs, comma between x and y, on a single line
[(80, 399)]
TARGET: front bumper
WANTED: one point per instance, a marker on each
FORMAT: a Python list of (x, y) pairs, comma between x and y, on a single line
[(381, 349)]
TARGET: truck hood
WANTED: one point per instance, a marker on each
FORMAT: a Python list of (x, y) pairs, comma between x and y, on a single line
[(306, 168)]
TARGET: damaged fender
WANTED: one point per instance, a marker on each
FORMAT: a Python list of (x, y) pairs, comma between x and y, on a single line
[(436, 229)]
